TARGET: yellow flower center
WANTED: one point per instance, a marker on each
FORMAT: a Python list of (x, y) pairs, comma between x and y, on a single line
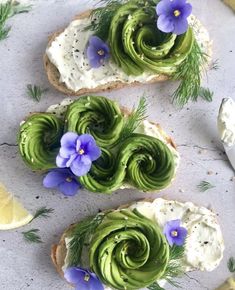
[(100, 52), (87, 277), (69, 179), (174, 233), (177, 13), (81, 151)]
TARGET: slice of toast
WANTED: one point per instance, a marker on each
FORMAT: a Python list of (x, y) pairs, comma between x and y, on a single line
[(54, 75), (59, 251)]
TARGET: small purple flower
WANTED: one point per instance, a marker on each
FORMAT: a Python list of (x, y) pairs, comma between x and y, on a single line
[(77, 153), (97, 51), (175, 234), (63, 179), (83, 279), (173, 16)]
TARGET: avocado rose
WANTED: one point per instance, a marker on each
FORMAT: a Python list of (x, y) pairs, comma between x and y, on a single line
[(128, 251)]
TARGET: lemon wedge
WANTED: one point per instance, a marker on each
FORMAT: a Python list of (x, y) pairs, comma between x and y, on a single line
[(12, 213)]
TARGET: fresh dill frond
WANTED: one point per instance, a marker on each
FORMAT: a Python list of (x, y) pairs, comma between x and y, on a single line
[(35, 92), (190, 73), (231, 265), (174, 268), (101, 17), (206, 94), (204, 186), (31, 236), (7, 10), (81, 236), (135, 118), (43, 212), (155, 286), (215, 65)]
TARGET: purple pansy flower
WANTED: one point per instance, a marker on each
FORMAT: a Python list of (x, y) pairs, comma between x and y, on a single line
[(175, 234), (63, 179), (83, 279), (97, 51), (173, 16), (77, 153)]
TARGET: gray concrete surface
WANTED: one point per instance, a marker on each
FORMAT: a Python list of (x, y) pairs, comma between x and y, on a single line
[(25, 266)]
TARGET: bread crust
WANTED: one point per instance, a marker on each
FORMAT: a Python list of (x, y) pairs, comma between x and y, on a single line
[(54, 75)]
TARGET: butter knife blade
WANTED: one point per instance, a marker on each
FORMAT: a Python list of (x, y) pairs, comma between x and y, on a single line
[(230, 151)]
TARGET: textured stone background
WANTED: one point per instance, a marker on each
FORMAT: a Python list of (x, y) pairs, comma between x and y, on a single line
[(24, 266)]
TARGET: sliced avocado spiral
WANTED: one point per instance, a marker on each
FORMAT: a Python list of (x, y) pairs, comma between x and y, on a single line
[(128, 251), (97, 116), (137, 45), (143, 161), (39, 140)]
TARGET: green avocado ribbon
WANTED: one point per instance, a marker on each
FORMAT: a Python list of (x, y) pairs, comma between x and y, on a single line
[(138, 45), (143, 161), (128, 251), (39, 140)]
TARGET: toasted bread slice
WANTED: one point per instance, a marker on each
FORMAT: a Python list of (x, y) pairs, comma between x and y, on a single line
[(54, 75)]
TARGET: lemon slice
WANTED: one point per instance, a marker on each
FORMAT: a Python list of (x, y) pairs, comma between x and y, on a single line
[(12, 213)]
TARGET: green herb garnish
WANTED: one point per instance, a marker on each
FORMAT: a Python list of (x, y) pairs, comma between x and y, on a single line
[(189, 73), (204, 186), (135, 118), (31, 236), (215, 65), (231, 265), (7, 10), (101, 17), (81, 236), (155, 286), (43, 212), (35, 92), (174, 268)]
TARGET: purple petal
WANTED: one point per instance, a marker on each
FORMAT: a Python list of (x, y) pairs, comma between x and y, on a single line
[(53, 179), (182, 234), (61, 162), (96, 41), (85, 139), (187, 10), (81, 166), (165, 24), (69, 188), (78, 145), (69, 139), (65, 152), (91, 52), (96, 62), (164, 7), (74, 275), (180, 26), (93, 151), (71, 159)]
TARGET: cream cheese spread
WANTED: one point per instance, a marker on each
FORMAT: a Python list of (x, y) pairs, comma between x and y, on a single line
[(204, 244), (226, 122), (67, 53)]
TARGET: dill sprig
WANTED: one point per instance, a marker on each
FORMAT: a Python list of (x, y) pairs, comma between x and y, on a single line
[(155, 286), (81, 236), (31, 236), (101, 17), (134, 120), (215, 65), (231, 265), (190, 73), (206, 94), (174, 268), (35, 92), (7, 10), (43, 212), (204, 186)]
